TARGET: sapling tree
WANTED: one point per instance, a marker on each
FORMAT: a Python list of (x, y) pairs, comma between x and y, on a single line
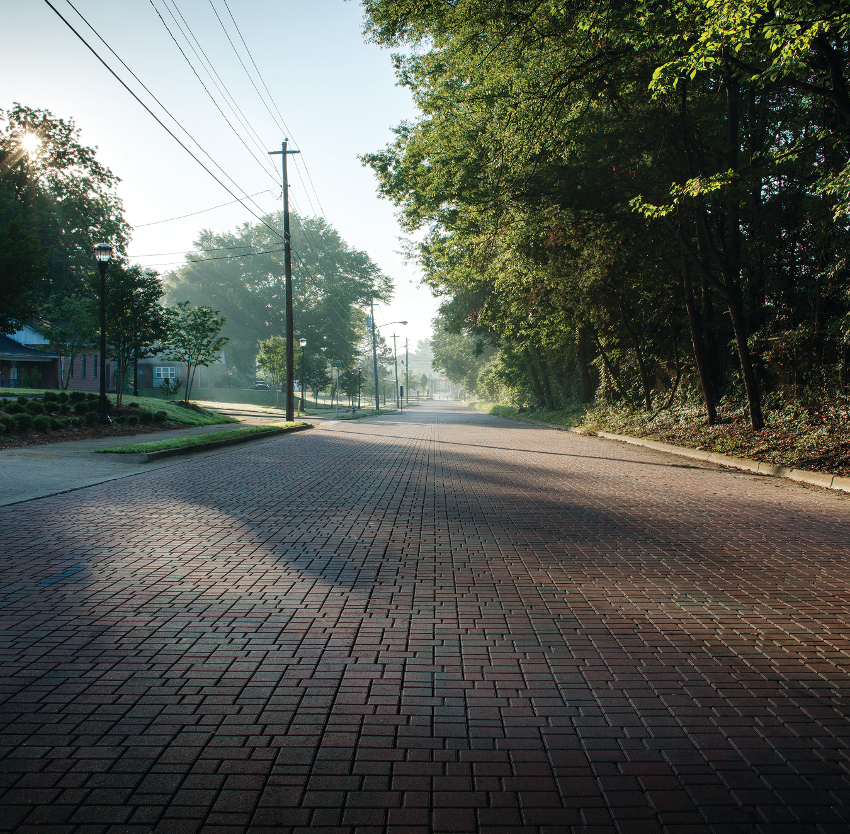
[(193, 338)]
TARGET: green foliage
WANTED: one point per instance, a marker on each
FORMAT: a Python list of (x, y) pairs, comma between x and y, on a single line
[(192, 337), (34, 407), (90, 418), (170, 387), (70, 327), (629, 198), (23, 266), (23, 420), (271, 360), (136, 321), (60, 195), (41, 422), (331, 282)]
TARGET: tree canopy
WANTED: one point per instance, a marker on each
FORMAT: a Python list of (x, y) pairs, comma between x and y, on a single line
[(241, 274), (603, 183)]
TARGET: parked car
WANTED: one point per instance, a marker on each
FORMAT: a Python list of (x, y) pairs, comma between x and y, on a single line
[(259, 385)]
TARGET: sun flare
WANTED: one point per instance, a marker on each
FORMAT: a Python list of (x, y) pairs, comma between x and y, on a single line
[(30, 143)]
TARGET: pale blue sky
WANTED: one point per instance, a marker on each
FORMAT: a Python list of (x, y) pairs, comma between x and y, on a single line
[(336, 93)]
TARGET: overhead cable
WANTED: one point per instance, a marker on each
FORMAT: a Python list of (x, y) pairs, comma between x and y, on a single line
[(158, 120)]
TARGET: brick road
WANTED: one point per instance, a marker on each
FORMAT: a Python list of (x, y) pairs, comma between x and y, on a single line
[(443, 622)]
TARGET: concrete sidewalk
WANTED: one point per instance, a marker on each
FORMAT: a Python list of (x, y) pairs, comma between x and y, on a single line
[(38, 471)]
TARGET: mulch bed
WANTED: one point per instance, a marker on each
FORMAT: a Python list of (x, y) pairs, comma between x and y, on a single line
[(30, 437)]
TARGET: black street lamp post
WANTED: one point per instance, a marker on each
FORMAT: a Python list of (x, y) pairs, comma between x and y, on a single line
[(103, 253)]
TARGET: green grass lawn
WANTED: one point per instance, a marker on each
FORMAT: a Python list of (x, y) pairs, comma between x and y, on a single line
[(196, 439)]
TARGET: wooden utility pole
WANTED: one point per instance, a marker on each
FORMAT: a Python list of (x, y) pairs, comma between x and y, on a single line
[(287, 266)]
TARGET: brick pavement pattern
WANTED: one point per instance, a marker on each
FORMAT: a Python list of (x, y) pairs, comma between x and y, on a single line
[(442, 622)]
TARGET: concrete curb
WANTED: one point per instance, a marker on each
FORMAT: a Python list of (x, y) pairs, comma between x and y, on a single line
[(214, 444), (820, 479)]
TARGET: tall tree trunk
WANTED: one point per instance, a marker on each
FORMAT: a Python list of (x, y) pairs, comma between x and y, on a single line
[(535, 378), (586, 383), (699, 347)]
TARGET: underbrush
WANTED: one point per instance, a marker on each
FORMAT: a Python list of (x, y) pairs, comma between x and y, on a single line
[(815, 439)]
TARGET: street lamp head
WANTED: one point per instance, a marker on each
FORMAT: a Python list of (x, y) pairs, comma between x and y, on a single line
[(302, 341), (103, 252), (359, 369), (402, 322)]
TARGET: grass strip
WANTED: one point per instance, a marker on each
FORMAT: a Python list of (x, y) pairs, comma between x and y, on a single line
[(196, 439)]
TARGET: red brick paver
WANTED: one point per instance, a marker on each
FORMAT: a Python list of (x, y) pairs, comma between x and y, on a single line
[(441, 622)]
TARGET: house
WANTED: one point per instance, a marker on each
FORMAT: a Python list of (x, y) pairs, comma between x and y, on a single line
[(25, 362), (154, 370)]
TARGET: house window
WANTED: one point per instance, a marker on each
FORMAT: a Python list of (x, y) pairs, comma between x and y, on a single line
[(94, 366), (165, 373), (83, 367)]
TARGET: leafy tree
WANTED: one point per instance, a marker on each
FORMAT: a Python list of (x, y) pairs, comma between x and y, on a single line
[(241, 274), (271, 360), (193, 338), (597, 179), (22, 269), (135, 318), (71, 326), (58, 193)]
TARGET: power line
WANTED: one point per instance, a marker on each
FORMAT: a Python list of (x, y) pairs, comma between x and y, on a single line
[(216, 258), (158, 120), (259, 162), (271, 98), (223, 89), (194, 213)]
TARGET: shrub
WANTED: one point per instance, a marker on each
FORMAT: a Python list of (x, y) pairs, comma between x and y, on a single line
[(77, 396), (160, 416), (56, 425), (94, 405), (34, 407), (13, 408), (92, 396), (132, 420), (23, 400), (64, 408), (62, 396), (90, 418), (7, 424), (81, 407), (170, 387), (146, 417), (23, 420), (120, 419), (41, 422), (50, 397)]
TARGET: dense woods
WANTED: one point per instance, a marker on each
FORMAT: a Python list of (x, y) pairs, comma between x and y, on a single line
[(645, 202)]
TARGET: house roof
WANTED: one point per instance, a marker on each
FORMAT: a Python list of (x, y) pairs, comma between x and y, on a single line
[(10, 349)]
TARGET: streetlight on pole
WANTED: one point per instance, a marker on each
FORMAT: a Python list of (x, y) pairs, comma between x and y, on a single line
[(395, 359), (103, 254), (302, 343), (375, 354)]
